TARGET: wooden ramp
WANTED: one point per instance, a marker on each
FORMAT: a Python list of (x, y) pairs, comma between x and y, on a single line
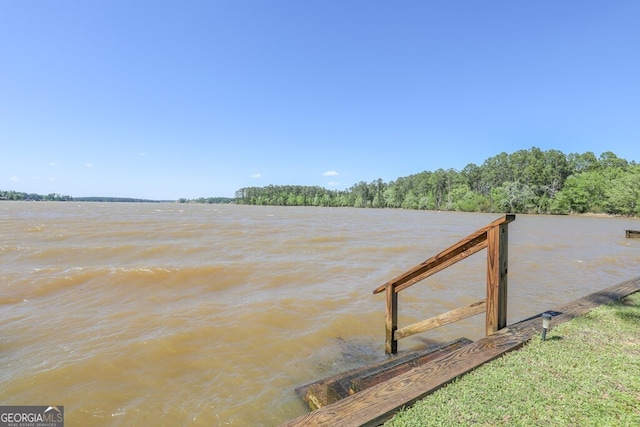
[(379, 402)]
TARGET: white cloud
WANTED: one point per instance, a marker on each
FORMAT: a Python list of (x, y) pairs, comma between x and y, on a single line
[(333, 184), (256, 175), (88, 165), (53, 178), (53, 164), (331, 173), (14, 179)]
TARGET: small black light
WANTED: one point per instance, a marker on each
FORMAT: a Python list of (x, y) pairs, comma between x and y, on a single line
[(546, 318)]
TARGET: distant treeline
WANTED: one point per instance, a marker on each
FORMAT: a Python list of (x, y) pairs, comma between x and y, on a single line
[(55, 197), (222, 200), (526, 181), (119, 199)]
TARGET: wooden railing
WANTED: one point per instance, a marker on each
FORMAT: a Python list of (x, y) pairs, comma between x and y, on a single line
[(493, 237)]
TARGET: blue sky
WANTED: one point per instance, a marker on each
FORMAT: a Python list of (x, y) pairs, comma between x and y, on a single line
[(168, 99)]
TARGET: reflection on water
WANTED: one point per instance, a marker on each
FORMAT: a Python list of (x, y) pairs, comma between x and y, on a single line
[(138, 314)]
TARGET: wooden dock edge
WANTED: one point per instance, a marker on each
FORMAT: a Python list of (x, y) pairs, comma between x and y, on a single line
[(379, 403), (329, 390), (632, 234)]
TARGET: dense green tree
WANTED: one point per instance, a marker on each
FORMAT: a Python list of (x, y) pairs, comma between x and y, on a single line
[(584, 192), (585, 162), (472, 173), (624, 193), (514, 196), (391, 198), (609, 160)]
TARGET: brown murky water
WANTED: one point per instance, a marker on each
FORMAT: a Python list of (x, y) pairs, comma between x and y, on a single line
[(211, 315)]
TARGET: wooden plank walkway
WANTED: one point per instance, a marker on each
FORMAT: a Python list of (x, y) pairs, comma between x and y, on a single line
[(378, 403), (329, 390)]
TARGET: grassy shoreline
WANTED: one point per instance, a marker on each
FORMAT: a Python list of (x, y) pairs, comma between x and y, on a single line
[(587, 373)]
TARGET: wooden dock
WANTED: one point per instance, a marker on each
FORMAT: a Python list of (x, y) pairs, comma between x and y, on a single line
[(330, 390), (378, 403), (633, 234)]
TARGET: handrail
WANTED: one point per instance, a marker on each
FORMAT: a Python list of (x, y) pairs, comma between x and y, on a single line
[(494, 237)]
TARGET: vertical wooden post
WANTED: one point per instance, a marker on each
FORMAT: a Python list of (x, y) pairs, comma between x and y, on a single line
[(391, 320), (497, 266)]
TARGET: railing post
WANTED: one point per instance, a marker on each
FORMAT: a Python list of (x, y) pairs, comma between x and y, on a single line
[(497, 266), (391, 320)]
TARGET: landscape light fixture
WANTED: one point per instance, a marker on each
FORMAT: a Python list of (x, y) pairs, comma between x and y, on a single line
[(546, 318)]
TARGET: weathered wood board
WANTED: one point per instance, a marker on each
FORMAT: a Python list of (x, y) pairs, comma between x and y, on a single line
[(378, 403), (329, 390), (377, 376)]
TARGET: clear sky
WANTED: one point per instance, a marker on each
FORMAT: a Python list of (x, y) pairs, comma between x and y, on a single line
[(167, 99)]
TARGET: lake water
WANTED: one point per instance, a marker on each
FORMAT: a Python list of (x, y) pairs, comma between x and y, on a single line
[(212, 315)]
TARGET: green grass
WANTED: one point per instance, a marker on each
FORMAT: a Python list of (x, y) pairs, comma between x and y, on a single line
[(587, 373)]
